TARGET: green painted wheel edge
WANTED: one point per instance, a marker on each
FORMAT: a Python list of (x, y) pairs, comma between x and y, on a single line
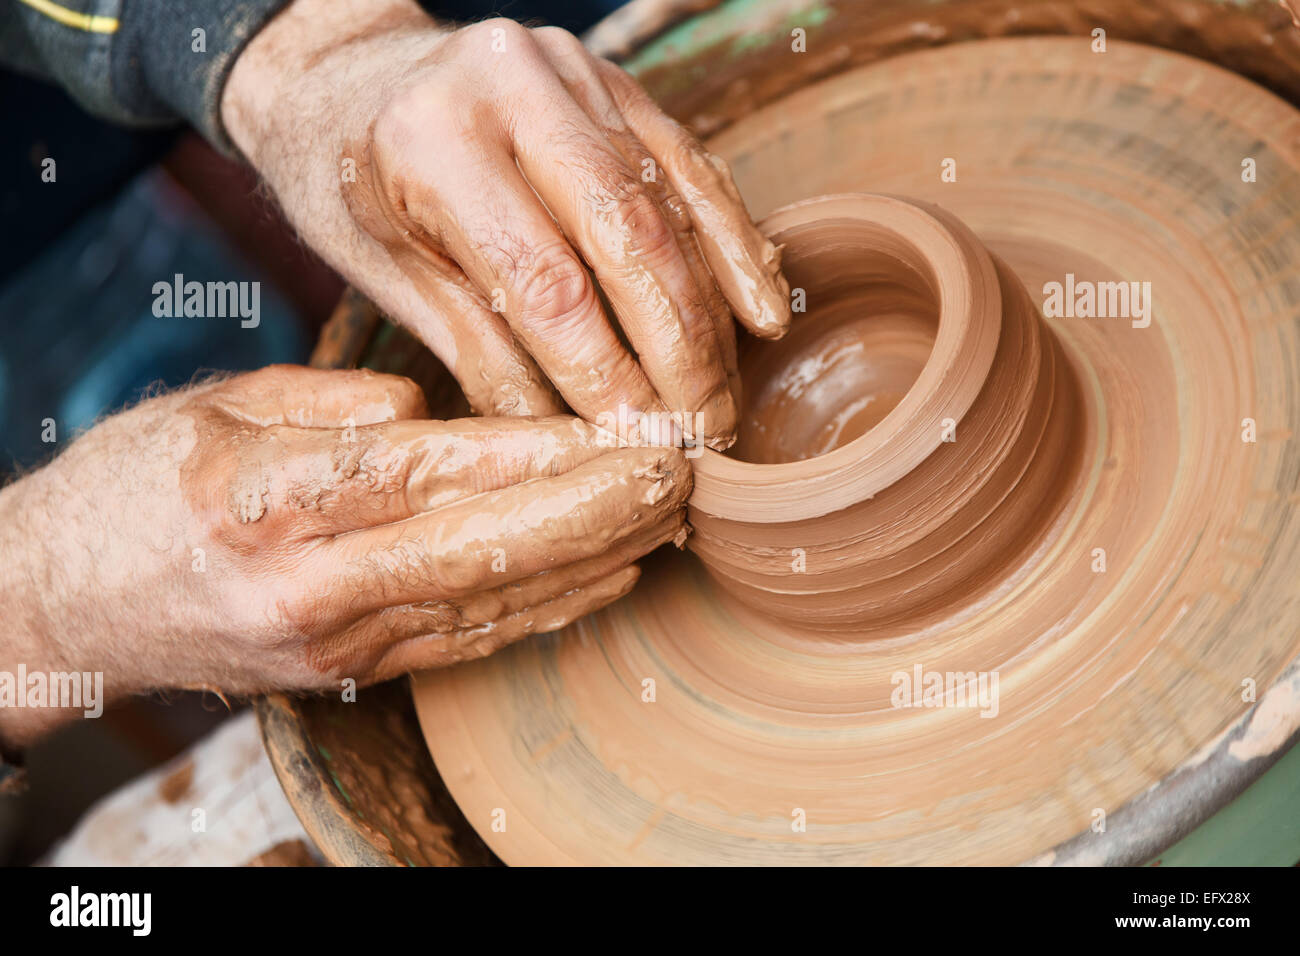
[(738, 26), (1261, 827)]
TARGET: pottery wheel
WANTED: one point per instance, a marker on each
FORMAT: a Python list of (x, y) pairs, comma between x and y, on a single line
[(679, 726)]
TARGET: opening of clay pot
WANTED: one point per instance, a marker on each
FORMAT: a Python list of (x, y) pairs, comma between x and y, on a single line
[(867, 328), (901, 311)]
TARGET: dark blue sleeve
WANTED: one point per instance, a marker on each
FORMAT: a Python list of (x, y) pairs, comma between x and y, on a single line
[(136, 62)]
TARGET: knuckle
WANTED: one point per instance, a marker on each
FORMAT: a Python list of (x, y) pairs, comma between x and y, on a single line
[(417, 115), (558, 38), (496, 29), (688, 152), (368, 464), (559, 42), (559, 295), (407, 566), (684, 155), (554, 288), (633, 211), (639, 216), (393, 122), (237, 492), (512, 27), (424, 617), (675, 212)]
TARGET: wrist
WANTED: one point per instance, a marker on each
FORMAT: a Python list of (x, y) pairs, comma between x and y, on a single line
[(276, 83)]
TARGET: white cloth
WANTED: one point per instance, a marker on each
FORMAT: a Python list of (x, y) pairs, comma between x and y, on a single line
[(217, 804)]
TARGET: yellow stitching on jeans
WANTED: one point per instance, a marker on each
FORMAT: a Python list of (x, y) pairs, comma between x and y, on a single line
[(71, 18)]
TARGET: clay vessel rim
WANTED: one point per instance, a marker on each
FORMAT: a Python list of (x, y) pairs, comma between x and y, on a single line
[(965, 285)]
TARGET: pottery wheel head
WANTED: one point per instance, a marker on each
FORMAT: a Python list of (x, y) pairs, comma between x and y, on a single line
[(1101, 648)]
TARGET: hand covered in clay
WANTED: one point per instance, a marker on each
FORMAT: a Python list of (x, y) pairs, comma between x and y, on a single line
[(471, 181), (290, 528)]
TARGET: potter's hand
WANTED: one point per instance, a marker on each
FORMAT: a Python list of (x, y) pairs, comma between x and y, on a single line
[(292, 528), (462, 178)]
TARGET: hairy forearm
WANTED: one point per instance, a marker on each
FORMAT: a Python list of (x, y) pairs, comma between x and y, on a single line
[(27, 641), (78, 594), (42, 613)]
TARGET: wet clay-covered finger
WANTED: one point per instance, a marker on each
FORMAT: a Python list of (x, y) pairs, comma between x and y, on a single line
[(502, 536), (715, 304), (536, 588), (493, 225), (487, 606), (577, 70), (431, 293), (334, 481), (746, 265), (610, 216), (496, 373), (321, 398), (369, 637), (441, 650), (376, 630)]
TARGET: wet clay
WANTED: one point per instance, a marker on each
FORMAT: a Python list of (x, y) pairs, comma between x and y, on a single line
[(1100, 544), (926, 457)]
